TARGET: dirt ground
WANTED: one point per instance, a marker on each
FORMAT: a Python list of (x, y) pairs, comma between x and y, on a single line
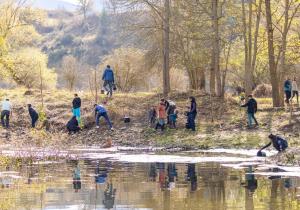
[(220, 123)]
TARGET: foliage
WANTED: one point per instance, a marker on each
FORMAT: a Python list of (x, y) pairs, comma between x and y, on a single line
[(26, 66), (129, 68)]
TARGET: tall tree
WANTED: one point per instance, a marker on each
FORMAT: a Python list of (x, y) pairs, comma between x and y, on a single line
[(166, 51), (272, 64), (250, 42)]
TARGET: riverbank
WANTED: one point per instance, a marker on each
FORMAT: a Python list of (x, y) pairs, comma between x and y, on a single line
[(220, 123)]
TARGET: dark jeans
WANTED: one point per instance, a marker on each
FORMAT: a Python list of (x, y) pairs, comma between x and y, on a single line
[(5, 114), (296, 93), (108, 86), (191, 121), (99, 115), (33, 121), (287, 96)]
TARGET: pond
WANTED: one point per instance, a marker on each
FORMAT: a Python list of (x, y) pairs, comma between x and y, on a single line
[(112, 179)]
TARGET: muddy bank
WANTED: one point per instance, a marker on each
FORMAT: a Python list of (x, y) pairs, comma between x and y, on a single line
[(220, 124)]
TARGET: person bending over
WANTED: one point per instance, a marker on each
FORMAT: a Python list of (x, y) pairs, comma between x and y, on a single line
[(33, 115), (100, 111), (278, 143), (73, 126)]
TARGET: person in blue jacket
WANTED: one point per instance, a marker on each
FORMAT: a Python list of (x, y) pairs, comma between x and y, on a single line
[(109, 80), (288, 90), (100, 111)]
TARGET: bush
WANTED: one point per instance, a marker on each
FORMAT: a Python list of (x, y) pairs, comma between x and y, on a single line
[(263, 90)]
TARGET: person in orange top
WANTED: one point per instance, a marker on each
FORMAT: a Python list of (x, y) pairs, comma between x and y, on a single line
[(161, 110)]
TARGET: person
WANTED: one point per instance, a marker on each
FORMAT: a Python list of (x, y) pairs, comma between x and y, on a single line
[(100, 111), (251, 110), (152, 115), (76, 107), (73, 125), (170, 108), (77, 178), (191, 114), (295, 90), (173, 119), (278, 143), (33, 115), (161, 110), (6, 113), (287, 90), (109, 80)]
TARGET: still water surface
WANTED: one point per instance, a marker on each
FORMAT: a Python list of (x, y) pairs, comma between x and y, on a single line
[(104, 183)]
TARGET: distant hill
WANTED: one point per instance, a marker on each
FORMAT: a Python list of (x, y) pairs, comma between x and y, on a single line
[(61, 4), (54, 4)]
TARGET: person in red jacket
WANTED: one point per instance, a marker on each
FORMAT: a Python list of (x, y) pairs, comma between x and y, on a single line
[(161, 112)]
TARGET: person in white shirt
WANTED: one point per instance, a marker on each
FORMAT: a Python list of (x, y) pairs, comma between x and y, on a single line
[(5, 113), (295, 91)]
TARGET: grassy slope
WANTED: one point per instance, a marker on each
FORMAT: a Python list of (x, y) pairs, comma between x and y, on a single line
[(228, 129)]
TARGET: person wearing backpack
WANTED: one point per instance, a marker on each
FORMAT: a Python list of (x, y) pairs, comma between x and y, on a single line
[(109, 80), (251, 110), (278, 143)]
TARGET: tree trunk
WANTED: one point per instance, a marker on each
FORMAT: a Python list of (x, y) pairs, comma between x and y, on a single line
[(166, 53), (216, 75), (272, 65)]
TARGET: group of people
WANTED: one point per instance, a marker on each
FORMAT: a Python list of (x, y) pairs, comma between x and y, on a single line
[(6, 113), (291, 90), (73, 124), (166, 113)]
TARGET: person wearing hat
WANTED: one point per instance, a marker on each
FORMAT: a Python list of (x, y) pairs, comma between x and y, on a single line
[(251, 110), (278, 143)]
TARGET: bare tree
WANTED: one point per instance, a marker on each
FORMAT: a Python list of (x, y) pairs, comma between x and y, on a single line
[(70, 71), (84, 7), (272, 64)]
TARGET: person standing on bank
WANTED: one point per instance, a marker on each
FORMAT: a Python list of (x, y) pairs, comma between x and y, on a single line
[(295, 90), (191, 114), (288, 90), (33, 115), (76, 107), (251, 110), (6, 112), (109, 80)]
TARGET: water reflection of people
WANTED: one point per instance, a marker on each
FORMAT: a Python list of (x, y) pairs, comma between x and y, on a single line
[(161, 174), (109, 196), (251, 186), (77, 178), (192, 176), (101, 174), (172, 174), (152, 172)]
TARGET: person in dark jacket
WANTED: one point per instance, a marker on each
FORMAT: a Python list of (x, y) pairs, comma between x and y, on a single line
[(288, 90), (191, 114), (278, 143), (33, 115), (109, 80), (76, 107), (73, 125), (251, 110)]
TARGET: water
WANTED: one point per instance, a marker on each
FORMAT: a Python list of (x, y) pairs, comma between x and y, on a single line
[(96, 179)]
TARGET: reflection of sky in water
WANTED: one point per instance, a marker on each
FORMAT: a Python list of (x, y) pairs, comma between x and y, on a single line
[(116, 180)]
